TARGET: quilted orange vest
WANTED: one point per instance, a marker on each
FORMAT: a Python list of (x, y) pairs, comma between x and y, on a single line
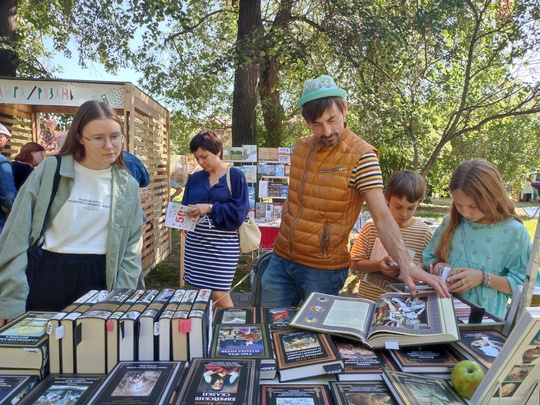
[(321, 208)]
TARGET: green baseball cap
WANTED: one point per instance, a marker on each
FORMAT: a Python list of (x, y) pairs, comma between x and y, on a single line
[(322, 86)]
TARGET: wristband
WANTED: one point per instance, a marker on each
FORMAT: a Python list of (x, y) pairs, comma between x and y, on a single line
[(483, 277)]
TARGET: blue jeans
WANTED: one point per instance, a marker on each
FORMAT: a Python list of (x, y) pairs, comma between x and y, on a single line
[(285, 283)]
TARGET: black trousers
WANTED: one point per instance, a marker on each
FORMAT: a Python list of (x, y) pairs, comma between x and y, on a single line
[(58, 279)]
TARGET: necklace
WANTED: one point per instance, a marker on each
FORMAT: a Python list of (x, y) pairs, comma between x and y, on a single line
[(475, 226)]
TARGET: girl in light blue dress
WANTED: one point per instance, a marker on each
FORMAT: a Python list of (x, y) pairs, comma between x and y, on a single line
[(482, 239)]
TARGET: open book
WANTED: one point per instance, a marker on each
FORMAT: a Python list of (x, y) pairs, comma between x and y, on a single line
[(395, 319)]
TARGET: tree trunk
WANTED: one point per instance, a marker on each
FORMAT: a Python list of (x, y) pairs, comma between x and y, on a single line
[(8, 34), (244, 111), (272, 110)]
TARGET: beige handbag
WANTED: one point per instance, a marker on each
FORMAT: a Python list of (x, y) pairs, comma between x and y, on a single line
[(249, 233)]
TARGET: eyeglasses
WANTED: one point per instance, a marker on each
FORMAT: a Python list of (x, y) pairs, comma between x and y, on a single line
[(98, 142)]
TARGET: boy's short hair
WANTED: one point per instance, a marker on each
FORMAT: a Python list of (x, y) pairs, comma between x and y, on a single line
[(406, 183)]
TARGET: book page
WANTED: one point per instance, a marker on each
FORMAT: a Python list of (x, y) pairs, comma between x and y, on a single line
[(348, 314), (176, 217)]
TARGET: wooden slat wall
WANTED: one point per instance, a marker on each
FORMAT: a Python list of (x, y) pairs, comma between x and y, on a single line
[(147, 129)]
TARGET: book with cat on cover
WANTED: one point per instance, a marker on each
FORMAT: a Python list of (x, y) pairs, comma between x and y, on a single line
[(234, 381), (415, 389), (482, 346), (23, 341), (141, 383), (91, 332), (360, 362), (72, 389), (308, 394), (394, 320), (302, 354), (425, 359), (369, 392), (13, 388)]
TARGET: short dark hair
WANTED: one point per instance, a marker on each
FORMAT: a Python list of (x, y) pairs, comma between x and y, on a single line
[(313, 110), (406, 183), (207, 140)]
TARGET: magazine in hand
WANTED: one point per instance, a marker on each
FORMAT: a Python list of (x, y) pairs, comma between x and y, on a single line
[(176, 217), (395, 319)]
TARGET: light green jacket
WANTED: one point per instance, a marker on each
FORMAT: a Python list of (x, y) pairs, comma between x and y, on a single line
[(22, 229)]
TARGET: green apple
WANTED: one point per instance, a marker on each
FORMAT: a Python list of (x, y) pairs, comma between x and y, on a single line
[(466, 377)]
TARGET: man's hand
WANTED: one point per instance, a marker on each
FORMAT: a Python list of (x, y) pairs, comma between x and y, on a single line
[(413, 274)]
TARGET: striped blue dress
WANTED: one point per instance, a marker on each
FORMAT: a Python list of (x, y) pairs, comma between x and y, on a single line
[(211, 256), (212, 249)]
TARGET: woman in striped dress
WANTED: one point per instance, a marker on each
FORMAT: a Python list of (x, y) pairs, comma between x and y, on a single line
[(212, 249)]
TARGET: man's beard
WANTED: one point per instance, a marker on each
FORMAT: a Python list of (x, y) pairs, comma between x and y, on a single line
[(335, 139)]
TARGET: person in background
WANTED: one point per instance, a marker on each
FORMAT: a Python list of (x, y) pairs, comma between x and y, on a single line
[(333, 172), (482, 239), (8, 192), (92, 232), (212, 249), (404, 191), (177, 189), (30, 155), (137, 168)]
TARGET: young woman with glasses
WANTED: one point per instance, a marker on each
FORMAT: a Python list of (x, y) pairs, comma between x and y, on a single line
[(91, 238)]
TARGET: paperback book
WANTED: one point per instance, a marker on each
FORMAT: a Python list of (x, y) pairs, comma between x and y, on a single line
[(394, 320), (177, 217), (414, 389), (360, 363), (23, 341), (297, 394), (374, 392), (301, 354), (220, 381), (482, 346), (141, 383), (72, 389)]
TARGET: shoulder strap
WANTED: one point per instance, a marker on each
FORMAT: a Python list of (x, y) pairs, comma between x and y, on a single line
[(229, 179), (56, 182)]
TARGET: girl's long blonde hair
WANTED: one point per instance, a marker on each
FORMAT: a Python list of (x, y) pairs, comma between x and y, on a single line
[(482, 182)]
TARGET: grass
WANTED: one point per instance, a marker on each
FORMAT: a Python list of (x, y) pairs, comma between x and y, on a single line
[(167, 273)]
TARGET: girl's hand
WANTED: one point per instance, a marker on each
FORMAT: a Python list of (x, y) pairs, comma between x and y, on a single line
[(464, 280), (389, 267)]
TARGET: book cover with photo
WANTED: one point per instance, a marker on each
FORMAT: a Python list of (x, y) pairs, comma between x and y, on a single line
[(207, 380), (23, 341), (234, 315), (482, 346), (301, 354), (176, 217), (414, 389), (369, 392), (425, 359), (295, 394), (72, 389), (399, 318), (277, 318), (515, 372), (141, 383), (13, 387), (249, 153), (360, 362)]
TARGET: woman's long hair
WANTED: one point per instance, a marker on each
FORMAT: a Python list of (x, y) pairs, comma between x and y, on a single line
[(481, 182), (25, 154), (88, 111)]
